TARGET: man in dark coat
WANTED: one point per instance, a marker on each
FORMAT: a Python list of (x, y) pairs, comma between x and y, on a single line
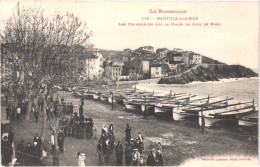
[(28, 155), (36, 154), (151, 160), (128, 155), (61, 141), (127, 133), (119, 154), (38, 140), (159, 158), (36, 115)]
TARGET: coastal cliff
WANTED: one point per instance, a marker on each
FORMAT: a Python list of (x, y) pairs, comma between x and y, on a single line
[(209, 72)]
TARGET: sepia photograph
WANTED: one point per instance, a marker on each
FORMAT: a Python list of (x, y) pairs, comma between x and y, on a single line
[(129, 83)]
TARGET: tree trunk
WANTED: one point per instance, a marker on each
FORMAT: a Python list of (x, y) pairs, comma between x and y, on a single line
[(44, 120)]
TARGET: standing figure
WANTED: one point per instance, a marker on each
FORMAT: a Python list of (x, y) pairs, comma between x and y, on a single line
[(38, 140), (99, 151), (141, 161), (119, 154), (61, 141), (136, 157), (28, 155), (159, 158), (52, 142), (141, 140), (127, 133), (128, 155), (18, 113), (36, 114), (111, 129), (43, 158), (151, 160)]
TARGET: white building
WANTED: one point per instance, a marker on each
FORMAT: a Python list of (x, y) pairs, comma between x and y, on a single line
[(145, 66), (94, 65), (196, 59)]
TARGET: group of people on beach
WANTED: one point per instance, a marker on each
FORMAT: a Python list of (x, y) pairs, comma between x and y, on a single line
[(133, 149)]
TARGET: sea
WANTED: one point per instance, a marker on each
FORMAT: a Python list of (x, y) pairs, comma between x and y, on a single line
[(239, 89)]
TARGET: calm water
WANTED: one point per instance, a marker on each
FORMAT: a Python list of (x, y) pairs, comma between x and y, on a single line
[(243, 89)]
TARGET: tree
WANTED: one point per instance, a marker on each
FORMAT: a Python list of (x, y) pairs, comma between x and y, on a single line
[(43, 50)]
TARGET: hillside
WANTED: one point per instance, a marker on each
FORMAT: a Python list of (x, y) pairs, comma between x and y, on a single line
[(209, 72)]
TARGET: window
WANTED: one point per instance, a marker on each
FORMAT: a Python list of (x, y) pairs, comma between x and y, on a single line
[(156, 68)]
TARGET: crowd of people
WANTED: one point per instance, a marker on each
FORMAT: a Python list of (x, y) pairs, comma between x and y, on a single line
[(133, 149)]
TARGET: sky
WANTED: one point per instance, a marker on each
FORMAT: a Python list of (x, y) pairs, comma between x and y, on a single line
[(233, 39)]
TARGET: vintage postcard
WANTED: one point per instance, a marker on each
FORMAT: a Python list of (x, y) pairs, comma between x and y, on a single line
[(129, 83)]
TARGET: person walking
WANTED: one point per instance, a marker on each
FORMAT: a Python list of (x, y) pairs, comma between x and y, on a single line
[(119, 154), (127, 133)]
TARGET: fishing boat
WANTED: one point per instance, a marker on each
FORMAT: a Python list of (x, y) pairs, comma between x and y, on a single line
[(133, 105), (249, 120), (191, 108), (211, 116), (165, 107), (88, 94)]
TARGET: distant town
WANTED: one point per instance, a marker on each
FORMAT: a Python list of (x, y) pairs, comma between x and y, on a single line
[(142, 63)]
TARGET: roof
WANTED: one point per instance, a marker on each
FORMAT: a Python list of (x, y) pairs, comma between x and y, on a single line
[(156, 65), (115, 66)]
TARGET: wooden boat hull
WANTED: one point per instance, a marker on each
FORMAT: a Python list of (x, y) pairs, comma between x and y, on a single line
[(176, 114), (149, 109), (209, 121), (132, 106), (162, 111), (247, 123), (114, 100)]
